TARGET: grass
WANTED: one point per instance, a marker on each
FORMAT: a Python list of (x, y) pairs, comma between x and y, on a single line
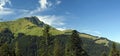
[(23, 25)]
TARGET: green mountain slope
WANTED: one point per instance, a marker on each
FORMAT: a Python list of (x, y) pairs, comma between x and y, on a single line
[(27, 25), (32, 27)]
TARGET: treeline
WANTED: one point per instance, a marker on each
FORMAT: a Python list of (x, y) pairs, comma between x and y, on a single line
[(113, 51), (46, 45)]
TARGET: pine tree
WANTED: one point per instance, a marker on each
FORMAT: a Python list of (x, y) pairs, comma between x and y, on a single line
[(114, 51), (4, 50), (57, 48), (68, 48), (17, 49), (46, 36), (46, 33), (73, 47), (103, 54), (6, 38)]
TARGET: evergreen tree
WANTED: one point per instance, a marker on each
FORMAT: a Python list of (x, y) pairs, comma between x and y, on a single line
[(4, 50), (73, 47), (41, 51), (6, 36), (17, 49), (46, 36), (114, 51), (68, 51), (57, 48), (103, 54)]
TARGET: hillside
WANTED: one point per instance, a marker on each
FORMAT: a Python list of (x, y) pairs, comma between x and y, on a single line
[(28, 33), (27, 25)]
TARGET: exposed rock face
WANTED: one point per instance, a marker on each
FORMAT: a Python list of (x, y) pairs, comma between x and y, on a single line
[(35, 21)]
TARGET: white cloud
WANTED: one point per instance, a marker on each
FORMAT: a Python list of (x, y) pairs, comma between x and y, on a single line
[(43, 5), (6, 11), (61, 29), (55, 21), (3, 10), (3, 3), (52, 20), (93, 32), (58, 2)]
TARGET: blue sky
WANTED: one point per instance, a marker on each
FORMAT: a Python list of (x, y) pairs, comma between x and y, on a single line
[(96, 17)]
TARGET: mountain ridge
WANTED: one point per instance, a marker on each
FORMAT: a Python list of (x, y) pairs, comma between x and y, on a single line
[(33, 21), (33, 26)]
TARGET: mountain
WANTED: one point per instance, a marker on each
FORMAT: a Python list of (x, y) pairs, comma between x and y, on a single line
[(26, 35), (27, 25)]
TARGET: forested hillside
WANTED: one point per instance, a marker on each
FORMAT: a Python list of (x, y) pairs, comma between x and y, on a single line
[(30, 37)]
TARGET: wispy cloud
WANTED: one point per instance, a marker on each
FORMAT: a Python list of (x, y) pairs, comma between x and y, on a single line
[(56, 21), (61, 29), (3, 3), (4, 10), (43, 5), (52, 20), (58, 2)]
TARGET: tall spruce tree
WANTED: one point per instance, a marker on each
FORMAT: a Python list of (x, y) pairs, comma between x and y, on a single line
[(17, 49), (103, 54), (73, 46), (114, 51), (57, 48), (68, 51), (6, 37), (4, 50), (46, 36)]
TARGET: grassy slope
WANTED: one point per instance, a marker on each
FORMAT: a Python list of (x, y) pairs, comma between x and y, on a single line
[(24, 26), (91, 43)]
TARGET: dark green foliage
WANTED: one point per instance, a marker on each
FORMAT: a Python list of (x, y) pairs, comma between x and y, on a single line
[(46, 34), (74, 45), (59, 45), (6, 36), (29, 40), (103, 54), (94, 49), (4, 50), (47, 39), (27, 45), (17, 49), (114, 51), (67, 48), (57, 48)]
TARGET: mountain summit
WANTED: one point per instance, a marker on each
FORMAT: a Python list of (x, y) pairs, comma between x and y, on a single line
[(32, 26), (28, 25), (35, 21)]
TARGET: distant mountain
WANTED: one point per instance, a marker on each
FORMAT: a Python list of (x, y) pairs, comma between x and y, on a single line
[(28, 30)]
